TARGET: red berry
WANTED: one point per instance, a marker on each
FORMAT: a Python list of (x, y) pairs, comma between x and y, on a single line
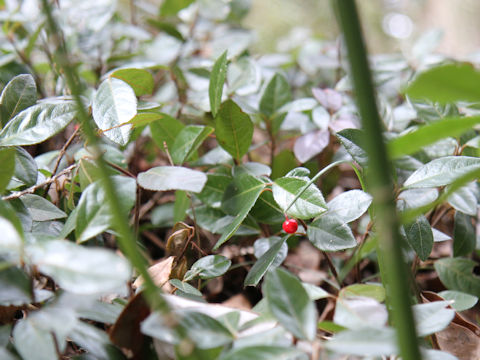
[(290, 226)]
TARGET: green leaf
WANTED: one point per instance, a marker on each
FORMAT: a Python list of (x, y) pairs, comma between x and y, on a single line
[(94, 213), (16, 287), (262, 352), (188, 141), (11, 242), (140, 80), (288, 301), (172, 7), (19, 94), (464, 238), (26, 171), (414, 141), (267, 259), (457, 274), (79, 269), (32, 341), (217, 80), (349, 205), (165, 130), (208, 267), (182, 203), (164, 178), (7, 159), (38, 122), (266, 210), (185, 287), (41, 209), (234, 129), (432, 317), (442, 171), (353, 141), (373, 291), (464, 199), (239, 199), (364, 342), (446, 84), (214, 189), (276, 94), (114, 105), (310, 204), (360, 312), (461, 301), (329, 233), (420, 237), (145, 118)]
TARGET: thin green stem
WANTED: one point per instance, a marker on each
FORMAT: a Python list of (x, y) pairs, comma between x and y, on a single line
[(393, 267), (126, 238)]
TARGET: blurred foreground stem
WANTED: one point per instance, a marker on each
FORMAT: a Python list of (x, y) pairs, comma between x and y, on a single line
[(393, 267)]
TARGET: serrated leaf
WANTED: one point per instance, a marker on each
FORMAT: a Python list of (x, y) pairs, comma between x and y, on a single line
[(217, 80), (353, 141), (79, 269), (165, 130), (461, 301), (420, 237), (349, 205), (239, 199), (164, 178), (234, 129), (17, 95), (328, 233), (310, 204), (457, 274), (432, 317), (140, 80), (94, 213), (114, 105), (442, 171), (208, 267), (276, 94), (464, 238), (273, 255), (446, 84), (188, 141), (7, 159), (288, 301), (38, 122)]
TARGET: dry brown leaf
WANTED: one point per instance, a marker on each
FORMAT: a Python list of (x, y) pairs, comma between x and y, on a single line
[(160, 273)]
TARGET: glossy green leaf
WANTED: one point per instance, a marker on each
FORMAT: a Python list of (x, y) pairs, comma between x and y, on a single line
[(266, 210), (185, 287), (461, 301), (272, 256), (432, 317), (360, 312), (329, 233), (276, 94), (353, 141), (464, 199), (420, 237), (464, 238), (414, 141), (41, 209), (79, 269), (16, 287), (7, 159), (239, 199), (114, 105), (38, 122), (217, 80), (140, 80), (442, 171), (164, 178), (187, 141), (26, 171), (364, 342), (310, 204), (262, 352), (32, 341), (288, 301), (19, 94), (457, 274), (172, 7), (446, 84), (209, 266), (234, 129), (94, 213), (182, 203), (252, 168), (373, 291), (165, 130), (349, 205), (212, 193)]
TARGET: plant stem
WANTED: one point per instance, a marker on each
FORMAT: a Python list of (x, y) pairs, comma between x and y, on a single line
[(393, 269), (126, 239)]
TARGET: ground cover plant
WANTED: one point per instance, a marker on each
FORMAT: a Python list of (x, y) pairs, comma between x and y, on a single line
[(168, 194)]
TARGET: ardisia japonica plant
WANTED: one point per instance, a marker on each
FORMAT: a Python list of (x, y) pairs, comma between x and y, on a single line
[(166, 193)]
